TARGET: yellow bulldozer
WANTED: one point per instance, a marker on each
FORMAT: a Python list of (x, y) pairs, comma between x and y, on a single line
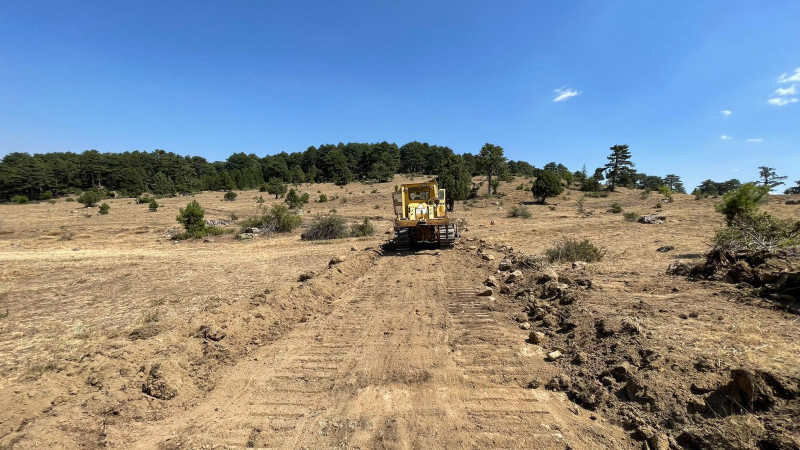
[(420, 217)]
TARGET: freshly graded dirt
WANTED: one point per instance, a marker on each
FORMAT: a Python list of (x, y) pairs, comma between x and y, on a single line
[(116, 336)]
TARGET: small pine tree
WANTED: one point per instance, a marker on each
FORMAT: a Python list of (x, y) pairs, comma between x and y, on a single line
[(276, 187), (230, 196), (104, 208), (293, 200), (547, 184), (742, 202), (90, 198), (192, 218), (153, 205)]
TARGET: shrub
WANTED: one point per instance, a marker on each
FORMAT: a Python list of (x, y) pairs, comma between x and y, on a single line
[(362, 229), (46, 195), (260, 199), (616, 208), (322, 198), (590, 185), (575, 250), (326, 227), (580, 203), (91, 197), (305, 198), (741, 202), (144, 199), (520, 211), (153, 205), (69, 199), (666, 192), (230, 196), (757, 231), (630, 216), (276, 219), (659, 205), (597, 194), (19, 199), (293, 200), (104, 208), (276, 187), (547, 184), (193, 219)]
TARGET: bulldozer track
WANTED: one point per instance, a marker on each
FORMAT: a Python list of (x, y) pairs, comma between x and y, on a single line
[(394, 364)]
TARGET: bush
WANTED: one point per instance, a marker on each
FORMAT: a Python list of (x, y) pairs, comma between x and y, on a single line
[(46, 195), (193, 219), (630, 216), (144, 199), (616, 208), (104, 208), (659, 205), (260, 199), (547, 184), (741, 203), (69, 199), (590, 185), (757, 232), (153, 206), (520, 211), (276, 187), (230, 196), (362, 229), (597, 194), (91, 197), (305, 198), (19, 199), (293, 200), (574, 250), (666, 192), (326, 227), (322, 198), (277, 219)]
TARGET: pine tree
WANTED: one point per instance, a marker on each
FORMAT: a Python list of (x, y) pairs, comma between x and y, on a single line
[(619, 165)]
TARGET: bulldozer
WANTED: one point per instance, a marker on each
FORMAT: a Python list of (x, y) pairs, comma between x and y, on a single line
[(421, 217)]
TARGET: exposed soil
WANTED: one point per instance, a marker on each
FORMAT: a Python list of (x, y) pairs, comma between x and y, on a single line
[(115, 336)]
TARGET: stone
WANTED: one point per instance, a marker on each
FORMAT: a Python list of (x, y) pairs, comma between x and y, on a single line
[(678, 268), (253, 230), (505, 289), (490, 281), (665, 249), (554, 355), (547, 275), (550, 321), (653, 218), (487, 257), (486, 292), (579, 265), (504, 265), (335, 260), (525, 326), (305, 276), (245, 236), (514, 276), (536, 337), (622, 371), (472, 248)]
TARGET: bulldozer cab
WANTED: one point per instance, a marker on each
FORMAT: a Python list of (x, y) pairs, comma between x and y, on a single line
[(419, 202)]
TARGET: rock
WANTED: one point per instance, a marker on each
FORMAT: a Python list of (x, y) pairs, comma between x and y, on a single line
[(245, 236), (560, 382), (653, 218), (554, 355), (253, 230), (335, 260), (678, 268), (491, 282), (472, 248), (505, 289), (644, 432), (553, 289), (487, 257), (525, 326), (579, 265), (580, 358), (156, 384), (547, 275), (492, 222), (144, 332), (550, 321), (536, 337), (659, 441), (665, 249), (637, 391), (504, 265), (630, 325), (305, 276), (622, 371), (353, 249), (486, 292), (219, 223), (514, 276)]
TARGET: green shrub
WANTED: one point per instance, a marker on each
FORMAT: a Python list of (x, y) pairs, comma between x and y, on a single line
[(590, 185), (276, 187), (753, 231), (362, 229), (326, 227), (91, 197), (153, 205), (144, 199), (19, 199), (580, 203), (46, 195), (742, 202), (659, 205), (69, 199), (260, 199), (230, 196), (547, 184), (520, 211), (322, 198), (305, 198), (276, 219), (193, 219), (293, 200), (616, 208), (630, 216), (666, 192), (104, 208), (574, 250), (597, 194)]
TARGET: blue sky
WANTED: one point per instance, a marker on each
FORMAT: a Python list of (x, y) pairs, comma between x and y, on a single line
[(213, 78)]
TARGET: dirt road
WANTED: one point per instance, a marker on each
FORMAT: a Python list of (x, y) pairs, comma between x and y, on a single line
[(408, 357)]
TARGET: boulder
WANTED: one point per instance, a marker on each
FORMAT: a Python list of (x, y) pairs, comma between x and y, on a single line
[(547, 275), (514, 276), (550, 321), (504, 265), (491, 282), (653, 218), (536, 337)]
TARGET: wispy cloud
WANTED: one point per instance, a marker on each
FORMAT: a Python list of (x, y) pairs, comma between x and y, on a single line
[(791, 90), (781, 96), (725, 113), (725, 137), (794, 78), (564, 93), (781, 101), (754, 140)]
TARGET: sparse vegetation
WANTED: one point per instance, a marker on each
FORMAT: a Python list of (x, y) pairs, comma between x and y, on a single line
[(667, 193), (326, 227), (597, 194), (575, 250), (631, 216), (520, 211), (364, 228), (741, 202), (615, 208), (322, 198), (580, 203), (277, 219)]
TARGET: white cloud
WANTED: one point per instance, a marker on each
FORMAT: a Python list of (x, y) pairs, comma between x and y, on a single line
[(754, 140), (565, 93), (725, 137), (781, 101), (795, 78), (725, 112), (791, 90)]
